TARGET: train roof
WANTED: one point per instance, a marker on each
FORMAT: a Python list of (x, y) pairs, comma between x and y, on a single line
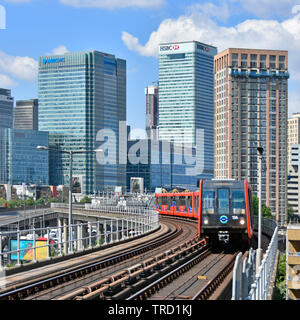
[(224, 183)]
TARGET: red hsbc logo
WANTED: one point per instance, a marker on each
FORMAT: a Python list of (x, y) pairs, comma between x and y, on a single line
[(175, 47)]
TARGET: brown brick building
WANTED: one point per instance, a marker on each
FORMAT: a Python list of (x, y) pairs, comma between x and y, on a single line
[(251, 109)]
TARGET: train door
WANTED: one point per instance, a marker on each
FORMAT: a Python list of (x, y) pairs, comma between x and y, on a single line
[(180, 205), (196, 205), (189, 205), (172, 205), (164, 206)]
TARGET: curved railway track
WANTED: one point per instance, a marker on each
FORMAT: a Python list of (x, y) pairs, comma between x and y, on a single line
[(54, 286), (175, 266)]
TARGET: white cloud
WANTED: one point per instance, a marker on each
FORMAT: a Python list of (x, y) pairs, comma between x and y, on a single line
[(254, 33), (221, 12), (260, 34), (114, 4), (23, 68), (296, 9), (59, 50), (6, 82)]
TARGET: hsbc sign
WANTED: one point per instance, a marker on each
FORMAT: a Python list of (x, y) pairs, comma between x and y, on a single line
[(169, 47), (186, 47), (203, 48)]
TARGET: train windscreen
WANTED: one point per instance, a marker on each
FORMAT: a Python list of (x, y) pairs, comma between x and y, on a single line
[(223, 201), (208, 202), (238, 202)]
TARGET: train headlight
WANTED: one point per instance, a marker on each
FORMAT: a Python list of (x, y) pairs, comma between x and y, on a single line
[(242, 222), (205, 221)]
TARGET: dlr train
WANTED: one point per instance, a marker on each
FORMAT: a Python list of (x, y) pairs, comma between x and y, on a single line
[(223, 209)]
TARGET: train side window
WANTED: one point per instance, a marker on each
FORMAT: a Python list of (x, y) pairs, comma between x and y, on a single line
[(208, 202), (159, 202), (180, 201), (164, 200), (223, 201), (196, 205), (189, 202), (238, 202)]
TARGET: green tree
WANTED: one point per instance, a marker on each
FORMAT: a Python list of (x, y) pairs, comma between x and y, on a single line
[(40, 202), (280, 285), (29, 202), (86, 199), (255, 205), (266, 211), (14, 203), (3, 202)]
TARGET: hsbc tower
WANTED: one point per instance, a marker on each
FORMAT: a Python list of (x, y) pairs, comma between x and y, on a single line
[(186, 96)]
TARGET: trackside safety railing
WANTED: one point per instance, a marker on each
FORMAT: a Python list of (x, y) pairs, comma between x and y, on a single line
[(248, 283), (36, 244)]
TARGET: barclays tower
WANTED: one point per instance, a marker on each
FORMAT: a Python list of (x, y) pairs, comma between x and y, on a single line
[(81, 94)]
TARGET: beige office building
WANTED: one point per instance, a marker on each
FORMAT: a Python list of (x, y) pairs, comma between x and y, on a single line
[(251, 94), (293, 132)]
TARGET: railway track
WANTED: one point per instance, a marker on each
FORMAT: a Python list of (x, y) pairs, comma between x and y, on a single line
[(196, 279), (92, 275)]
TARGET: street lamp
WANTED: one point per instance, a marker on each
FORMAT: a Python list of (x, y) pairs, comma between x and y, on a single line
[(259, 249), (70, 153)]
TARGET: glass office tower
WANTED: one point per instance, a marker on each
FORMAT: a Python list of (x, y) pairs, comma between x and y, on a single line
[(6, 108), (186, 97), (162, 164), (20, 161), (80, 94)]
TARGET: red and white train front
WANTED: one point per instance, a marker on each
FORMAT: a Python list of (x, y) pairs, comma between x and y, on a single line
[(223, 209)]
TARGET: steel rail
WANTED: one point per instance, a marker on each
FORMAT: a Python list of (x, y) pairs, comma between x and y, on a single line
[(142, 292), (61, 275), (205, 292)]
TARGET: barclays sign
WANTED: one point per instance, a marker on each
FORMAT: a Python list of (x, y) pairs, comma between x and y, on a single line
[(53, 60)]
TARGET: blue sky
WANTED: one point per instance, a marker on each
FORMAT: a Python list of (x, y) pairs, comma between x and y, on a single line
[(132, 29)]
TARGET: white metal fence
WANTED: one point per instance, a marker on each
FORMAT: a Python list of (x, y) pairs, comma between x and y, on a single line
[(35, 244), (248, 283)]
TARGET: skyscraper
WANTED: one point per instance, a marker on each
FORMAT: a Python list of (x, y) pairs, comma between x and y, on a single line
[(152, 108), (6, 108), (81, 94), (186, 99), (20, 161), (251, 92), (26, 114), (186, 93)]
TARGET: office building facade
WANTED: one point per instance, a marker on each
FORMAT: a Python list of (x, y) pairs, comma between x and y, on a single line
[(6, 108), (20, 161), (293, 133), (293, 182), (81, 94), (186, 97), (152, 109), (186, 92), (26, 114), (161, 164), (251, 93)]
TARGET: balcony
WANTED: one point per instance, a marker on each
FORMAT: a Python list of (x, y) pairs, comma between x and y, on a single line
[(256, 73)]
